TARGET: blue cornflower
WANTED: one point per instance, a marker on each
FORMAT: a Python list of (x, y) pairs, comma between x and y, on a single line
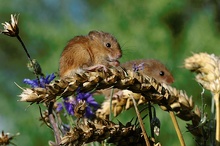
[(138, 67), (91, 103), (43, 81), (71, 102)]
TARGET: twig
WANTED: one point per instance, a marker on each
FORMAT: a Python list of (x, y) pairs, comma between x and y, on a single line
[(176, 126), (216, 97), (110, 114), (29, 57), (141, 122), (53, 123), (26, 51), (212, 122), (150, 118), (43, 117)]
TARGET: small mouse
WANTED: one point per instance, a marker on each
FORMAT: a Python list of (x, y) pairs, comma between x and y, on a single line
[(152, 68), (96, 50)]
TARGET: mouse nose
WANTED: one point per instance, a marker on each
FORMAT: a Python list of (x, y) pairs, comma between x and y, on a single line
[(170, 80), (119, 54)]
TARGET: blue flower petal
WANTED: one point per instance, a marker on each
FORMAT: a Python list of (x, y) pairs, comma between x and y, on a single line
[(70, 102), (69, 107), (32, 83), (59, 107), (49, 78), (89, 112), (43, 81)]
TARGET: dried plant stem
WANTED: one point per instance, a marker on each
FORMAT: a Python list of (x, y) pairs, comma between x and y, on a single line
[(176, 126), (110, 114), (150, 118), (29, 57), (53, 123), (141, 122), (26, 51), (216, 97)]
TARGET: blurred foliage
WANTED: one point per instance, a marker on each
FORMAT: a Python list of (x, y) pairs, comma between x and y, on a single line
[(167, 30)]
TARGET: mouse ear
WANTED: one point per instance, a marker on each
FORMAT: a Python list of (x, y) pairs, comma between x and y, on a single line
[(94, 34)]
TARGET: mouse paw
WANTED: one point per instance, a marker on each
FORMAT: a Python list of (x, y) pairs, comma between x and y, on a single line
[(97, 67)]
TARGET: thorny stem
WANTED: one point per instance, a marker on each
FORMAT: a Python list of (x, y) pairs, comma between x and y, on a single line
[(176, 126), (141, 122), (53, 123), (216, 97)]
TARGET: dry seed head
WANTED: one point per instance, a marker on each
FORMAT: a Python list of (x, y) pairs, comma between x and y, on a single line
[(35, 67), (6, 138), (98, 130), (146, 88), (45, 118), (199, 126), (215, 86), (207, 68), (87, 82), (28, 95), (120, 100), (80, 109), (180, 103), (11, 28), (177, 101)]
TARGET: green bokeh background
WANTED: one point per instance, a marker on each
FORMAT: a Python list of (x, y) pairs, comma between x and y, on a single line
[(167, 30)]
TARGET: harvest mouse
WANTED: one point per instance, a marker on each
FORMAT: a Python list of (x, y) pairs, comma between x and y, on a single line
[(96, 50), (150, 67)]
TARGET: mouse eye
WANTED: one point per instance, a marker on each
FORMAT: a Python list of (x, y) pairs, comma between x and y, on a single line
[(108, 45), (161, 73)]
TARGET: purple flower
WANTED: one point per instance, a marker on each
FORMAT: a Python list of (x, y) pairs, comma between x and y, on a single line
[(42, 81), (91, 103), (71, 102), (138, 67)]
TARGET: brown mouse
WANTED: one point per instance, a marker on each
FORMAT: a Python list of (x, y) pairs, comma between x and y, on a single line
[(98, 49), (152, 68)]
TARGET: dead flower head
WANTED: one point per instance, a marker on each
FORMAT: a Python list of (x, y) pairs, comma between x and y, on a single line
[(5, 138), (207, 68), (11, 27)]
